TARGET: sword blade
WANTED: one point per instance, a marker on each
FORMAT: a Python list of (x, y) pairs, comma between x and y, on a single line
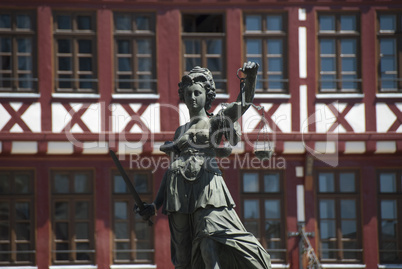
[(129, 185)]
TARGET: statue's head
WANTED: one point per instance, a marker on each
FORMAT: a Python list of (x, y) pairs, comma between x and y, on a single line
[(203, 77)]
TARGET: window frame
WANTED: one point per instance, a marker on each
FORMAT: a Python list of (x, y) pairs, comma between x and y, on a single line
[(12, 198), (262, 197), (203, 37), (75, 35), (397, 36), (71, 198), (135, 73), (14, 33), (132, 219), (264, 35), (338, 35), (390, 196), (338, 196)]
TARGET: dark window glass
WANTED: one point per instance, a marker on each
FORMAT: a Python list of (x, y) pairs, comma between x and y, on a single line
[(135, 53), (339, 41), (338, 216), (265, 40), (203, 38)]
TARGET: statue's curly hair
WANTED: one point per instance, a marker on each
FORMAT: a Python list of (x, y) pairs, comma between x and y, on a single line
[(203, 77)]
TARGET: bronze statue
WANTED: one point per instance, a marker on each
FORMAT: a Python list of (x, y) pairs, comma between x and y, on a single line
[(205, 229)]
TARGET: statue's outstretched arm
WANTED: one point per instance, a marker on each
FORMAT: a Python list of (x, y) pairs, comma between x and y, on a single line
[(236, 109)]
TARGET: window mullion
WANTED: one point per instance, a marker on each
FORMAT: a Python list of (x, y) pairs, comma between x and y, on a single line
[(338, 229), (338, 64), (14, 64), (134, 57), (265, 62), (75, 66)]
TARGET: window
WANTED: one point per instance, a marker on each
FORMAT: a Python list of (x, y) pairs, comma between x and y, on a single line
[(75, 59), (203, 45), (17, 52), (339, 59), (133, 238), (72, 217), (263, 211), (390, 40), (265, 40), (338, 216), (134, 53), (390, 216), (17, 226)]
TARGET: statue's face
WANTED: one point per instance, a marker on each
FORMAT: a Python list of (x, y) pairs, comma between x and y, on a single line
[(195, 97)]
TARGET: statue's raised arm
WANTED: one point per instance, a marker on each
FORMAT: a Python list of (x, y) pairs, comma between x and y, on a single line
[(236, 109)]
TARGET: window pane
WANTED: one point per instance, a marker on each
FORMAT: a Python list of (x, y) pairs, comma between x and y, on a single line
[(274, 23), (326, 182), (22, 183), (124, 255), (141, 183), (272, 209), (85, 65), (4, 211), (24, 63), (275, 65), (22, 211), (348, 209), (61, 210), (349, 65), (388, 229), (82, 230), (123, 22), (272, 230), (61, 183), (274, 46), (327, 209), (143, 23), (144, 64), (214, 46), (347, 182), (120, 210), (271, 183), (349, 229), (327, 229), (348, 46), (119, 184), (388, 209), (253, 23), (82, 183), (23, 21), (327, 46), (83, 256), (121, 230), (65, 64), (144, 46), (124, 64), (123, 47), (327, 23), (250, 182), (387, 182), (64, 22), (63, 256), (4, 230), (251, 209), (328, 64), (192, 47), (22, 231), (5, 21), (84, 46), (254, 46), (388, 64), (61, 230), (81, 210), (5, 45), (84, 23), (64, 46), (348, 23), (24, 45), (23, 257), (388, 22), (4, 183)]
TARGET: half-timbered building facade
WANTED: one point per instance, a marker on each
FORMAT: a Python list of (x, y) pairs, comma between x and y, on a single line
[(78, 78)]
